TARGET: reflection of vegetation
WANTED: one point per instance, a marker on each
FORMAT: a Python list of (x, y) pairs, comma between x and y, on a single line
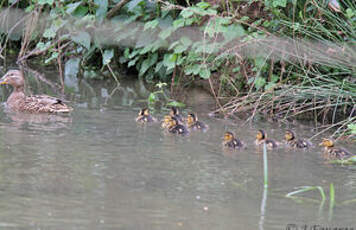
[(160, 96), (286, 58), (331, 197)]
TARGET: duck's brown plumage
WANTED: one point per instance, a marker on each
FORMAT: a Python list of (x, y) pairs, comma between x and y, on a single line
[(18, 101), (334, 153)]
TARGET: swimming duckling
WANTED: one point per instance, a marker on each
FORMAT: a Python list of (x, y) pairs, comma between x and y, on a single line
[(193, 123), (230, 141), (144, 116), (261, 138), (176, 128), (292, 141), (175, 113), (333, 153), (166, 121)]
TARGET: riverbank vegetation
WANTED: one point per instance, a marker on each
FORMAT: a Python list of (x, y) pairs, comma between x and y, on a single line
[(283, 58)]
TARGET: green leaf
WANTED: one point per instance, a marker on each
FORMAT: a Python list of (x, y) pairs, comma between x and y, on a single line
[(152, 98), (178, 23), (72, 7), (282, 3), (175, 104), (81, 11), (71, 67), (204, 72), (193, 69), (102, 10), (49, 33), (169, 60), (203, 5), (186, 13), (234, 31), (43, 2), (259, 82), (164, 34), (53, 56), (107, 56), (82, 38), (151, 24), (132, 4)]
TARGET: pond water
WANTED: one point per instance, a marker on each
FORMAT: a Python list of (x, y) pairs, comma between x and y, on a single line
[(98, 169)]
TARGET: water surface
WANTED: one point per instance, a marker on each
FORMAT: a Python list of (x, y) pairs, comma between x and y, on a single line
[(98, 169)]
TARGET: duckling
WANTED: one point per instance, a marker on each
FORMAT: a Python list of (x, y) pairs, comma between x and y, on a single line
[(331, 152), (166, 121), (194, 124), (19, 102), (175, 113), (230, 141), (144, 116), (176, 128), (292, 141), (261, 138)]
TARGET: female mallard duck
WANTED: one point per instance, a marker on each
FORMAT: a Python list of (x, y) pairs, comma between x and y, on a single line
[(144, 116), (261, 138), (292, 141), (333, 153), (176, 128), (231, 141), (175, 113), (194, 124), (18, 101)]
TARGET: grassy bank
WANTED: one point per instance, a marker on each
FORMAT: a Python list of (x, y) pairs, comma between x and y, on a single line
[(284, 58)]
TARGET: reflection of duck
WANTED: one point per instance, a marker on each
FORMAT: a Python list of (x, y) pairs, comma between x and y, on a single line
[(231, 142), (176, 128), (144, 116), (18, 101), (331, 152), (261, 138), (292, 141), (193, 123), (175, 113)]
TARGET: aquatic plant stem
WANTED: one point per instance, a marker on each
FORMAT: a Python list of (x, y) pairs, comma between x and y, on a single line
[(331, 201), (265, 165)]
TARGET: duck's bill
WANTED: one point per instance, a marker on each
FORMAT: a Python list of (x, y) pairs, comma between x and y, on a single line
[(3, 82), (320, 144)]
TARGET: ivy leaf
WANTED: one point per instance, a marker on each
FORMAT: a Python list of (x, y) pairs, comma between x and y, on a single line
[(82, 38), (186, 13), (259, 82), (282, 3), (204, 72), (71, 7), (175, 104), (107, 56), (151, 24), (71, 68), (164, 34), (43, 2), (49, 33), (102, 10)]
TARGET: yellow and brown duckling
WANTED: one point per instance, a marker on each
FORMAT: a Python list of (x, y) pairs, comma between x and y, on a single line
[(292, 141), (18, 101), (144, 116), (175, 113), (261, 138), (176, 128), (194, 124), (230, 141), (166, 121), (334, 153)]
